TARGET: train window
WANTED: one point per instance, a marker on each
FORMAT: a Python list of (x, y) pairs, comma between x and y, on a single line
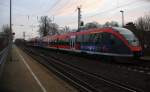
[(63, 41), (91, 38), (79, 38), (105, 38), (94, 37), (53, 42), (112, 39), (67, 40), (86, 38), (106, 35), (115, 41), (126, 33)]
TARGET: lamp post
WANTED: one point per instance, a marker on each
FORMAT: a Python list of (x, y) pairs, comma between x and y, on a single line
[(122, 12), (10, 21), (10, 33)]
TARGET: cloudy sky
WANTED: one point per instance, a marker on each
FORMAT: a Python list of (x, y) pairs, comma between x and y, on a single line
[(26, 13)]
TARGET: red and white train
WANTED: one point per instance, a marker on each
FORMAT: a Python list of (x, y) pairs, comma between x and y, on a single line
[(112, 41)]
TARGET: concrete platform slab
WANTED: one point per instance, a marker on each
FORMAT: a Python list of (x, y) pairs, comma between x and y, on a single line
[(23, 74)]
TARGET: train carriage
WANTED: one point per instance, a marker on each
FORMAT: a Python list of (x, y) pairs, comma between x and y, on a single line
[(113, 41)]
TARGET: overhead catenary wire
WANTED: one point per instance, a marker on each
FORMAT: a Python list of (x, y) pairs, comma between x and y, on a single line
[(85, 18), (69, 4), (109, 10), (115, 8), (53, 6)]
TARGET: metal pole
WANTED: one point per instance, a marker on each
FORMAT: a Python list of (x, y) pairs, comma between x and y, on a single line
[(10, 35), (24, 36), (10, 19), (53, 17), (79, 18), (45, 20), (122, 12)]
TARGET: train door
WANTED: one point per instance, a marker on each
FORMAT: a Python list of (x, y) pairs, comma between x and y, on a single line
[(72, 42), (101, 41)]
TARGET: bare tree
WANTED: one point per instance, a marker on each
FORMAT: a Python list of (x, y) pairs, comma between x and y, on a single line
[(46, 27), (53, 29), (91, 25), (114, 24), (131, 26), (67, 29), (111, 24), (107, 24), (63, 30), (143, 23), (6, 30), (97, 25), (5, 36), (143, 31)]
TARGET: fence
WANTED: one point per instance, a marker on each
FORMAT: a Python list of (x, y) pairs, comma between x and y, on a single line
[(3, 57)]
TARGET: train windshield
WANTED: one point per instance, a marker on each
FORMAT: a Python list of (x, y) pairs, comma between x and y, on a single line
[(128, 35)]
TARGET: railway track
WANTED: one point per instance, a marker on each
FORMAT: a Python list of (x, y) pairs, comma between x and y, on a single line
[(136, 68), (135, 65), (89, 82), (49, 63), (140, 66)]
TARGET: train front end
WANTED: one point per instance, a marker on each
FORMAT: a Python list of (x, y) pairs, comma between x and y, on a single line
[(132, 41), (135, 46)]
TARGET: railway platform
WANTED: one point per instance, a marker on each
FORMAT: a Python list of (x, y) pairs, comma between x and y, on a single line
[(24, 74), (146, 58)]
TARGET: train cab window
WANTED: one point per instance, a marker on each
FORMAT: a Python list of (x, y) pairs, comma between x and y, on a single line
[(128, 35), (115, 41)]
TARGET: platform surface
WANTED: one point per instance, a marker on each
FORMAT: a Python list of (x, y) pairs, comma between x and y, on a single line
[(23, 74)]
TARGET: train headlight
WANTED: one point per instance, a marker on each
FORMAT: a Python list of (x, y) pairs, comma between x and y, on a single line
[(134, 43)]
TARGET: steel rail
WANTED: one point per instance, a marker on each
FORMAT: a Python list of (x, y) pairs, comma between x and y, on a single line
[(99, 77), (83, 86)]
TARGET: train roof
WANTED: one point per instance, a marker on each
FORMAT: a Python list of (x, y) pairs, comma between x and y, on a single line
[(122, 30), (89, 31)]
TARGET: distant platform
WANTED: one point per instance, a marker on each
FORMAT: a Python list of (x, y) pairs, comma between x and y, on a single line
[(24, 74), (146, 58)]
